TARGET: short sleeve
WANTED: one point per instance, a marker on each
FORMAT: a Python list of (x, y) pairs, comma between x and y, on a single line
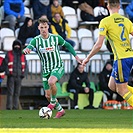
[(102, 27)]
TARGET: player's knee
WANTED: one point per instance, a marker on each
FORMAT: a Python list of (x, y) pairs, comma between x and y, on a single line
[(51, 82)]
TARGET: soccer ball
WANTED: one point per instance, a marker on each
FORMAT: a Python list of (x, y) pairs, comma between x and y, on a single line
[(45, 113)]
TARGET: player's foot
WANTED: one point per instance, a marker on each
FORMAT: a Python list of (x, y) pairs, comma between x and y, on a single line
[(60, 114), (51, 106)]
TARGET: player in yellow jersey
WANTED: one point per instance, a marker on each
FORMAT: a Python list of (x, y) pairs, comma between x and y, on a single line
[(117, 29)]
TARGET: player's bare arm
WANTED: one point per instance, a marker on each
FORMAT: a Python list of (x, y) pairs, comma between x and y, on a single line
[(94, 50)]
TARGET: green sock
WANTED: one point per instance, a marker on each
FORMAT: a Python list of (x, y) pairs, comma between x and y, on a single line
[(53, 99), (58, 106)]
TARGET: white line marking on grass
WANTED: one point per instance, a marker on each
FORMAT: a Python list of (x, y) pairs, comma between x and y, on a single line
[(63, 130)]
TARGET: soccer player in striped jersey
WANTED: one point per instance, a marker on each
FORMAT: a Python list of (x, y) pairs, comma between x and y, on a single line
[(46, 46), (117, 29)]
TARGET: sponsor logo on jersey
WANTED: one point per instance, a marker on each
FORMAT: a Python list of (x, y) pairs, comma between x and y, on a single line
[(118, 20), (48, 49)]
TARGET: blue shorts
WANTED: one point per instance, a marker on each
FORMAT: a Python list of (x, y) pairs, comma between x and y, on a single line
[(121, 70)]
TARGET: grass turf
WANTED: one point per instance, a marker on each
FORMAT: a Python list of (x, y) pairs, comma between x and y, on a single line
[(93, 119)]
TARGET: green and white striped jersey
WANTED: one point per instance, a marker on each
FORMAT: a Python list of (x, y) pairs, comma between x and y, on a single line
[(48, 51)]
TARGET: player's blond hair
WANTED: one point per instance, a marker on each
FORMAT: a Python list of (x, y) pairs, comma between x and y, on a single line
[(113, 3)]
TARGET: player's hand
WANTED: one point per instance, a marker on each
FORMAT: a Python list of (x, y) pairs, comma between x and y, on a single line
[(78, 59), (26, 51), (85, 61)]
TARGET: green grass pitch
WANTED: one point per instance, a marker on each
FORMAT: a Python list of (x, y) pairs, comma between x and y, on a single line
[(80, 121)]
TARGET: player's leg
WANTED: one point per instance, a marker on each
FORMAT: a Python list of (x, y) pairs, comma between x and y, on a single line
[(48, 95), (57, 74), (122, 89), (52, 87), (46, 86), (112, 84), (47, 89), (52, 84), (121, 71), (53, 101)]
